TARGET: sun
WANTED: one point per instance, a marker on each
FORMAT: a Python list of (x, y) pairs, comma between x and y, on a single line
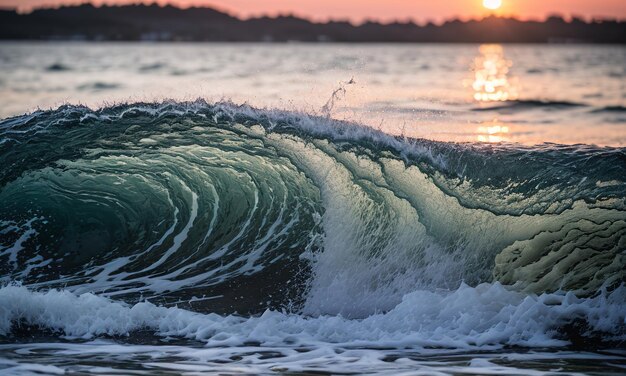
[(492, 4)]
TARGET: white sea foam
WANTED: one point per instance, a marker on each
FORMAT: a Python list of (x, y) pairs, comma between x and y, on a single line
[(486, 316), (429, 333), (185, 360)]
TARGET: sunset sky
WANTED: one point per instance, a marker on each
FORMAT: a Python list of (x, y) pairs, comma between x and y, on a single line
[(383, 10)]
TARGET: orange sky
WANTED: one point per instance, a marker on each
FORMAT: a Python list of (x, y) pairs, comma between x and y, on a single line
[(384, 10)]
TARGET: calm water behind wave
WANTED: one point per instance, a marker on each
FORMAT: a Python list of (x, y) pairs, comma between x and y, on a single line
[(529, 94)]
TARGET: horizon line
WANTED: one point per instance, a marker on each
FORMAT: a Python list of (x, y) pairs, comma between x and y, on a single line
[(409, 20)]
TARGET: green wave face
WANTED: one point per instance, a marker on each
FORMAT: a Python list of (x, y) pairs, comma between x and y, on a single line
[(227, 208)]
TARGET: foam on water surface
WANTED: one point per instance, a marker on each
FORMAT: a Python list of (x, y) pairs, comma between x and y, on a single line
[(428, 331)]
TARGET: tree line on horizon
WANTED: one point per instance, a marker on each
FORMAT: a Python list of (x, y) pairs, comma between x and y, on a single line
[(169, 23)]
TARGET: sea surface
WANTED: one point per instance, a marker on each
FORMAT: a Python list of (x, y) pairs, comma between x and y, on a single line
[(529, 94), (300, 209)]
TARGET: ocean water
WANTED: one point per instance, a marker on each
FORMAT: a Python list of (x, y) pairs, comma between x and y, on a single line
[(312, 209), (529, 94)]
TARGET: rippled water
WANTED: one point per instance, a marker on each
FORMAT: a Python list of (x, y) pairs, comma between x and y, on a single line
[(317, 235), (560, 94)]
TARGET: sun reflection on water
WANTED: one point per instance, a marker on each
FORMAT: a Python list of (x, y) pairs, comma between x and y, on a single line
[(492, 132), (491, 82)]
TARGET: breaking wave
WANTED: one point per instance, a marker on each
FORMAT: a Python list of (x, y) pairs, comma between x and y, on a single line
[(333, 231)]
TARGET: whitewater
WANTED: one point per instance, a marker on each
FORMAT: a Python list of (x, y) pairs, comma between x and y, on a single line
[(183, 237)]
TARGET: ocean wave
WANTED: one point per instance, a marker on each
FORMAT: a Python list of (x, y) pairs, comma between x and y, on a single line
[(58, 67), (97, 85), (610, 109), (226, 208), (530, 104)]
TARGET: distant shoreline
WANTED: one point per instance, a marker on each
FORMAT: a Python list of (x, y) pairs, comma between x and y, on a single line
[(152, 23)]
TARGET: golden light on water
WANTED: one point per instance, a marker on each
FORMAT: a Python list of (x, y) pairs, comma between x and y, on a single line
[(491, 82), (492, 4), (492, 132)]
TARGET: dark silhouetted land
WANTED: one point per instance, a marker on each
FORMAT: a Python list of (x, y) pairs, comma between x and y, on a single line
[(151, 22)]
